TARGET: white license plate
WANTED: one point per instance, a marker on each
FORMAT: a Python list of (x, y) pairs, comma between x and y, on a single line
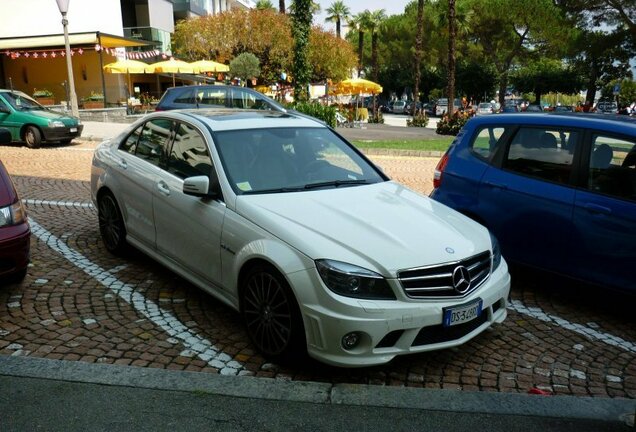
[(73, 130), (463, 313)]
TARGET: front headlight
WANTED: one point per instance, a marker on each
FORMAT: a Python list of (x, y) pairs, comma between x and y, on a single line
[(12, 215), (353, 281), (56, 123), (496, 252)]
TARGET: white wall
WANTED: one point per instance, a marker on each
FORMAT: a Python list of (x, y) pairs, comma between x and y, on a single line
[(42, 17), (161, 15)]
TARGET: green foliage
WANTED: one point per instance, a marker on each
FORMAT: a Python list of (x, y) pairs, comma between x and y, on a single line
[(264, 5), (245, 66), (627, 93), (420, 120), (376, 118), (452, 125), (317, 110), (546, 75), (42, 93)]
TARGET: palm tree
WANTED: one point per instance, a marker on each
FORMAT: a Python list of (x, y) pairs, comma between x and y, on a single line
[(452, 34), (359, 23), (281, 6), (375, 20), (264, 5), (338, 12), (418, 52)]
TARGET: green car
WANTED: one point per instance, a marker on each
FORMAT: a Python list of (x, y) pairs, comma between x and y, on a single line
[(32, 123)]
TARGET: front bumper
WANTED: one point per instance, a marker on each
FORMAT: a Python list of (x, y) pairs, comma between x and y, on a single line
[(62, 133), (391, 328), (14, 249)]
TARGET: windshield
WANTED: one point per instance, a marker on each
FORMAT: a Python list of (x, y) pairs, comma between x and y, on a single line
[(485, 105), (21, 101), (290, 160)]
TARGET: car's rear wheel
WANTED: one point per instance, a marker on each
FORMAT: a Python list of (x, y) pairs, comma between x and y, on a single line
[(271, 314), (32, 137), (111, 224)]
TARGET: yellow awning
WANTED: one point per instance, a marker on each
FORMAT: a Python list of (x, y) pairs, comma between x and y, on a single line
[(92, 38)]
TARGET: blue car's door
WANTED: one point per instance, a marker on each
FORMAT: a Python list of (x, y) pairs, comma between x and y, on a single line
[(605, 213), (527, 199)]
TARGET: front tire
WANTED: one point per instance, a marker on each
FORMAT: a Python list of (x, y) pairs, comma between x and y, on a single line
[(111, 224), (33, 137), (271, 314)]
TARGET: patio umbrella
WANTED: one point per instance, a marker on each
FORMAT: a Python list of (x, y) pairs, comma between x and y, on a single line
[(127, 67), (357, 86), (171, 66), (202, 66)]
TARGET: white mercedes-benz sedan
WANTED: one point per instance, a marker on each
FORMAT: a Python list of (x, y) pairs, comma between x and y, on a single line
[(282, 219)]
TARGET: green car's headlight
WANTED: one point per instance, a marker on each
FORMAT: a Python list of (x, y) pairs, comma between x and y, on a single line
[(12, 215), (496, 252), (56, 123), (353, 281)]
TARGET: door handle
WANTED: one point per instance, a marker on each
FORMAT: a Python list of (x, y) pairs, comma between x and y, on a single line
[(122, 164), (163, 188), (496, 185), (595, 208)]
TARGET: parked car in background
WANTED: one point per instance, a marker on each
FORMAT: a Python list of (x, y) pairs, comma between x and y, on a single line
[(387, 108), (408, 109), (15, 233), (485, 108), (607, 107), (558, 190), (216, 96), (399, 106), (441, 106), (32, 123), (286, 222), (563, 108), (510, 108), (533, 108)]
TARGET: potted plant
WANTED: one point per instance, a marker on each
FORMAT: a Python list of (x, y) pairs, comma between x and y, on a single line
[(44, 96), (93, 101)]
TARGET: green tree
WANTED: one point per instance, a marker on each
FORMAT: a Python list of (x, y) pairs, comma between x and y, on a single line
[(281, 6), (360, 23), (591, 13), (475, 79), (337, 13), (301, 26), (627, 93), (375, 20), (245, 66), (264, 4), (545, 75)]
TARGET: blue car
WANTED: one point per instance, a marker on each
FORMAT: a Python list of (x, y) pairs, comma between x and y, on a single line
[(557, 190)]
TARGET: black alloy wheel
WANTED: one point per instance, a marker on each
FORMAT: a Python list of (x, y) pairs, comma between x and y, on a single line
[(271, 314), (111, 224)]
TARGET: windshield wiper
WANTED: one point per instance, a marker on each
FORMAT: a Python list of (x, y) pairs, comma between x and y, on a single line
[(335, 183), (273, 190)]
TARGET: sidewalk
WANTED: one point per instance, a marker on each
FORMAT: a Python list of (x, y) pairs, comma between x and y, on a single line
[(63, 395)]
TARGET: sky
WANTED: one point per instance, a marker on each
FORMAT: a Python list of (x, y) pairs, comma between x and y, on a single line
[(357, 6)]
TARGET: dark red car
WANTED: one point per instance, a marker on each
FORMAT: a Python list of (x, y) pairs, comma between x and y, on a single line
[(15, 232)]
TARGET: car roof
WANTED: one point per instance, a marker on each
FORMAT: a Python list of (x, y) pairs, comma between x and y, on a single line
[(234, 119), (608, 122)]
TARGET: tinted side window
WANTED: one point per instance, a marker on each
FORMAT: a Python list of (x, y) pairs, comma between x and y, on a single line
[(212, 97), (246, 100), (189, 155), (543, 153), (613, 167), (130, 144), (185, 97), (153, 140), (486, 141)]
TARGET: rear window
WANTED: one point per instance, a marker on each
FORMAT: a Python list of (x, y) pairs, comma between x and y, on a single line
[(487, 140)]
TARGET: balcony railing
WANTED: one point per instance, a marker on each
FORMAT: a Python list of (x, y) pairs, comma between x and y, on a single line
[(152, 34), (196, 6)]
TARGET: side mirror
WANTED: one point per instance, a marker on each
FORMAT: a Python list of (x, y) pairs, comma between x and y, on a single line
[(5, 136), (200, 186)]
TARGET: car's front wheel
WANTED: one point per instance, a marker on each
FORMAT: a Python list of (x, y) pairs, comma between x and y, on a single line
[(271, 314), (111, 224), (32, 137)]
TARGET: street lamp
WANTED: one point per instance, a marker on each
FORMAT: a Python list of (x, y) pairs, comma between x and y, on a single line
[(63, 7)]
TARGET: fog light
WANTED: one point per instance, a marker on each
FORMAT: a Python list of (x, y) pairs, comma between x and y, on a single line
[(350, 340)]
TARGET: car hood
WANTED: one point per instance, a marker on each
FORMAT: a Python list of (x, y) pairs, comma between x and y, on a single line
[(53, 115), (384, 227)]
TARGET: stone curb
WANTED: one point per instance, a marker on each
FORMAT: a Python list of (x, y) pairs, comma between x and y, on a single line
[(563, 407)]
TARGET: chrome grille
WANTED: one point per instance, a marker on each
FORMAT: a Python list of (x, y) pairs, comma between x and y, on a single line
[(437, 280)]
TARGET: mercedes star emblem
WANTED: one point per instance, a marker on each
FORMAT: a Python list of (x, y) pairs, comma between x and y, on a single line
[(461, 279)]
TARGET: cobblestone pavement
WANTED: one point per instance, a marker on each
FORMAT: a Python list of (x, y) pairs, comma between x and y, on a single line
[(78, 302)]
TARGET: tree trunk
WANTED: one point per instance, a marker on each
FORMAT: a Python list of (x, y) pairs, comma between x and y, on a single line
[(503, 85), (301, 27), (591, 84), (360, 50), (418, 54), (338, 28), (374, 55), (281, 6), (452, 33)]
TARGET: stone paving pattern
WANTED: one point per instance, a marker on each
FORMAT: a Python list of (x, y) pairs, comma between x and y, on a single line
[(62, 312)]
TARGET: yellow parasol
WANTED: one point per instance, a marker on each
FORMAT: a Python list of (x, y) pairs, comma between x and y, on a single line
[(171, 66), (126, 67), (357, 86), (202, 66)]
